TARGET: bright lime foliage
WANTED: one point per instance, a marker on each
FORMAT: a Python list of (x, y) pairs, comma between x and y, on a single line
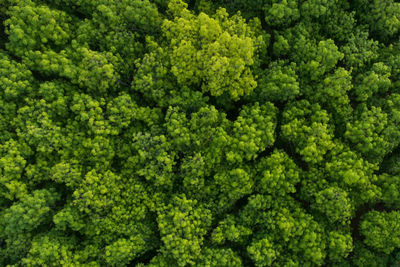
[(340, 244), (373, 81), (22, 28), (202, 133), (367, 133), (278, 174), (253, 131), (219, 257), (213, 53), (262, 252), (307, 127), (182, 227)]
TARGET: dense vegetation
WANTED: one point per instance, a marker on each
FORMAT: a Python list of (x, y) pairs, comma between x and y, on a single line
[(199, 133)]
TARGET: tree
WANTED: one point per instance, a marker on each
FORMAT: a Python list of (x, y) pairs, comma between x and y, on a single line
[(381, 230), (182, 225), (199, 133), (213, 53), (306, 126)]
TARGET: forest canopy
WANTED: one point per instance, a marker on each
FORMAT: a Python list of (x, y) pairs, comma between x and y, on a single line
[(200, 133)]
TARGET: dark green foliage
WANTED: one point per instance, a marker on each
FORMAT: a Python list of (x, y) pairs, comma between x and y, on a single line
[(381, 230), (278, 82), (199, 133)]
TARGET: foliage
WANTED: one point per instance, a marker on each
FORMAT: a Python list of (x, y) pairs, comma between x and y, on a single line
[(199, 133)]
